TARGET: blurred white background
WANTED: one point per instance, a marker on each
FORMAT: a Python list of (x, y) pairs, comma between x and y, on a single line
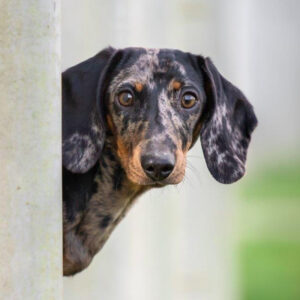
[(178, 242)]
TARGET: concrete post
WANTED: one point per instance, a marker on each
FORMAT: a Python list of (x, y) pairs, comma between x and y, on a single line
[(30, 150)]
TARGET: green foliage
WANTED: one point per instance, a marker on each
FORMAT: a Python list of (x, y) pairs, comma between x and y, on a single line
[(278, 181), (271, 271), (270, 243)]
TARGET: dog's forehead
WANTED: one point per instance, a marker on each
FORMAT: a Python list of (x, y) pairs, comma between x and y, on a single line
[(158, 60), (143, 64)]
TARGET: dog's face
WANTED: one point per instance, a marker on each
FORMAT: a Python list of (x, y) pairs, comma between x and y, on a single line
[(155, 104)]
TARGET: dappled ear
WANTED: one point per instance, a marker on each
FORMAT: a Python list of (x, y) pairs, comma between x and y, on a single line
[(227, 128), (83, 125)]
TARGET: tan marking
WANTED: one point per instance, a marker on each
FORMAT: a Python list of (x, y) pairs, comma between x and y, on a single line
[(139, 86), (110, 123), (132, 165), (122, 151), (176, 85), (179, 171)]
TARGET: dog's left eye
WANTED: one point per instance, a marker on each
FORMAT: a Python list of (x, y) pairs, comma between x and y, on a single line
[(188, 100), (125, 98)]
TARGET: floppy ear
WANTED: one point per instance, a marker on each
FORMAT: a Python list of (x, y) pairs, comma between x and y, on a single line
[(227, 128), (83, 123)]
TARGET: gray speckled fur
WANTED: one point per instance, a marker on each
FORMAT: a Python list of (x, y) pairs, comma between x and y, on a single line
[(85, 237)]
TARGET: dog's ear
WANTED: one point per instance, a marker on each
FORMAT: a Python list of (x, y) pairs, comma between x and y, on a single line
[(82, 115), (228, 123)]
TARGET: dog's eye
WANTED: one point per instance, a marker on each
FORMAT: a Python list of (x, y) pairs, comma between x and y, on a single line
[(125, 98), (188, 100)]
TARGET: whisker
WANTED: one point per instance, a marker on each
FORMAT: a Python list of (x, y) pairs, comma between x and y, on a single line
[(193, 169)]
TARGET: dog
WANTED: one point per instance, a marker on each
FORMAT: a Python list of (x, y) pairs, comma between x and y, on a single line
[(129, 118)]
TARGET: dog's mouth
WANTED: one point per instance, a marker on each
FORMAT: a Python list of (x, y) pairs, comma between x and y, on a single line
[(143, 180)]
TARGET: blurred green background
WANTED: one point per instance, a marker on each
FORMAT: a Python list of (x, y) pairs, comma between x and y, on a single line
[(269, 241), (201, 239)]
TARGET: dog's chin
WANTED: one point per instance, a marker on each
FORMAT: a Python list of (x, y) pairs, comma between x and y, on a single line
[(142, 180)]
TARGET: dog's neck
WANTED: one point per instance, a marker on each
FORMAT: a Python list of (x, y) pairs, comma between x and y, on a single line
[(113, 195)]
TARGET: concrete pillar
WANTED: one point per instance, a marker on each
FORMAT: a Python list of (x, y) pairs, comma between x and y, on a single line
[(30, 150)]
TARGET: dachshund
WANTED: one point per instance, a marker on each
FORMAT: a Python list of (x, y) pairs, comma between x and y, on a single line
[(129, 118)]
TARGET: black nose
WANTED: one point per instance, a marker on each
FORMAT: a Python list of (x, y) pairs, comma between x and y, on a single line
[(157, 167)]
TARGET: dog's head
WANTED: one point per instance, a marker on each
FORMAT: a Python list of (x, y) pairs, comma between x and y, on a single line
[(155, 104)]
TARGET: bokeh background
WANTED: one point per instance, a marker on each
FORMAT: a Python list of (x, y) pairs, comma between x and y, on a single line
[(201, 239)]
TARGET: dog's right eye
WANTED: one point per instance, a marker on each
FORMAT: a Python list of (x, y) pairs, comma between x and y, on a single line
[(125, 98), (188, 100)]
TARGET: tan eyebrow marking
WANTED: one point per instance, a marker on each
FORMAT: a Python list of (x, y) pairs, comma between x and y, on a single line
[(176, 85), (138, 87), (110, 123)]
